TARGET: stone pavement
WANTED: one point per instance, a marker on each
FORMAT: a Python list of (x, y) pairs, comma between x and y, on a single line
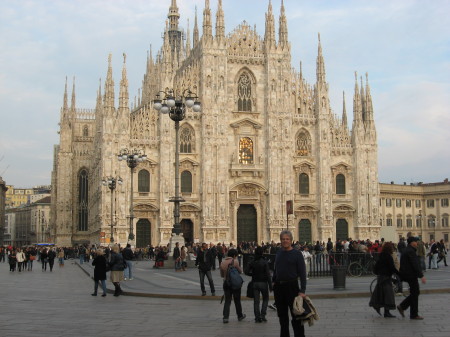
[(168, 283), (59, 304)]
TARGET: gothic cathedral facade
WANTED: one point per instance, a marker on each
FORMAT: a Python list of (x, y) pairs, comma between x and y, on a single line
[(264, 136)]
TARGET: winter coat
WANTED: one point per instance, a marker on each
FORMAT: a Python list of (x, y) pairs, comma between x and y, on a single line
[(99, 263)]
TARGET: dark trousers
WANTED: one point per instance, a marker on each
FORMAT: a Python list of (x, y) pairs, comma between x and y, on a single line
[(285, 294), (263, 288), (412, 301), (51, 262), (236, 295), (202, 280)]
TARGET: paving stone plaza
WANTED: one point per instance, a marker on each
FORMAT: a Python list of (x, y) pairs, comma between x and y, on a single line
[(44, 304)]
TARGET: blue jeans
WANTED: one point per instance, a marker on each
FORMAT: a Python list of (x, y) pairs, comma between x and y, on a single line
[(263, 288), (128, 272), (81, 258), (177, 264), (210, 280), (103, 286)]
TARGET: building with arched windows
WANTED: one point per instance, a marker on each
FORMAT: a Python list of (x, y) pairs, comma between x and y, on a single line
[(264, 136)]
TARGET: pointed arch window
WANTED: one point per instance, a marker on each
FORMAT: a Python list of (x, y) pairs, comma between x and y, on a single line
[(340, 184), (83, 200), (245, 151), (303, 183), (85, 131), (244, 87), (303, 144), (186, 182), (187, 140), (144, 181)]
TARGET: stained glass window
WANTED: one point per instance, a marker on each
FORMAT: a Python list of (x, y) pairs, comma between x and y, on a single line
[(340, 184), (246, 151), (187, 140), (144, 181), (303, 144), (83, 201), (186, 182), (304, 183), (244, 93)]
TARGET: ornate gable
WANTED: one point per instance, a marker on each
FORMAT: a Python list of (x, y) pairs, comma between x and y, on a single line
[(245, 45), (246, 125)]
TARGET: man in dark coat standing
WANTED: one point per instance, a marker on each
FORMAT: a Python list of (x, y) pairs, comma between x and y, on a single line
[(410, 271), (203, 262)]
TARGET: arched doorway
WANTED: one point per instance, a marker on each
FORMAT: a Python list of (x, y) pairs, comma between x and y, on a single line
[(143, 233), (304, 231), (341, 229), (246, 223), (187, 228)]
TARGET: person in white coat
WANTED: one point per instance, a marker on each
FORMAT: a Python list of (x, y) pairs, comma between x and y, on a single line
[(20, 256)]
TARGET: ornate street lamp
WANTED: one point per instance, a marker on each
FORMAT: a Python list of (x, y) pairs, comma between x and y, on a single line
[(133, 158), (112, 182), (176, 107)]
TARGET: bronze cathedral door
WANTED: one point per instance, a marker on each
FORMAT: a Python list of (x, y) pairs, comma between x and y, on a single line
[(246, 223)]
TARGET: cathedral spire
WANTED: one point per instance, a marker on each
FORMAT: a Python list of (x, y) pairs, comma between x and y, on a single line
[(173, 16), (320, 65), (220, 22), (357, 111), (283, 30), (188, 39), (301, 71), (123, 93), (269, 35), (196, 35), (72, 104), (207, 25), (65, 103), (344, 111), (99, 96), (109, 87), (369, 106)]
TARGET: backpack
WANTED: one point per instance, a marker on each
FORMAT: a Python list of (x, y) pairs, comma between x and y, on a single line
[(234, 279)]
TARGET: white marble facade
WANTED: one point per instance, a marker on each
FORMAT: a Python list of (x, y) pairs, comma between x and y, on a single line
[(264, 136)]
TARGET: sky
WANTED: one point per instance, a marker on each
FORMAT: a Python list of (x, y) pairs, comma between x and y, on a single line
[(403, 45)]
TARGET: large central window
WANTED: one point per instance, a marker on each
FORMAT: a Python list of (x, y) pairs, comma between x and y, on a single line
[(83, 201), (244, 93), (245, 151)]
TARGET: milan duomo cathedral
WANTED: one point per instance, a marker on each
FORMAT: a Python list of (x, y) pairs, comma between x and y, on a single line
[(264, 136)]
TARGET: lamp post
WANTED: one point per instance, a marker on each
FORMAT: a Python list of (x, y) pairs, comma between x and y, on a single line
[(133, 158), (112, 182), (176, 107)]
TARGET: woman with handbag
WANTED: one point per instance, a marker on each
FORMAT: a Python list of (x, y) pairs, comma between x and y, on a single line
[(383, 295), (100, 267), (261, 282), (117, 266)]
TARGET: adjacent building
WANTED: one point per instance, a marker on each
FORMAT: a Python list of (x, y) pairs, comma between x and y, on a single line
[(265, 136), (420, 209), (29, 224)]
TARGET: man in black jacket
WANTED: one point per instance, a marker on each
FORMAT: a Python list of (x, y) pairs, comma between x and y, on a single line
[(204, 261), (289, 270), (127, 254), (258, 269), (410, 271)]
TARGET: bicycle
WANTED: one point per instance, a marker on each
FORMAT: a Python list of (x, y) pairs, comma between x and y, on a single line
[(356, 268), (395, 282)]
